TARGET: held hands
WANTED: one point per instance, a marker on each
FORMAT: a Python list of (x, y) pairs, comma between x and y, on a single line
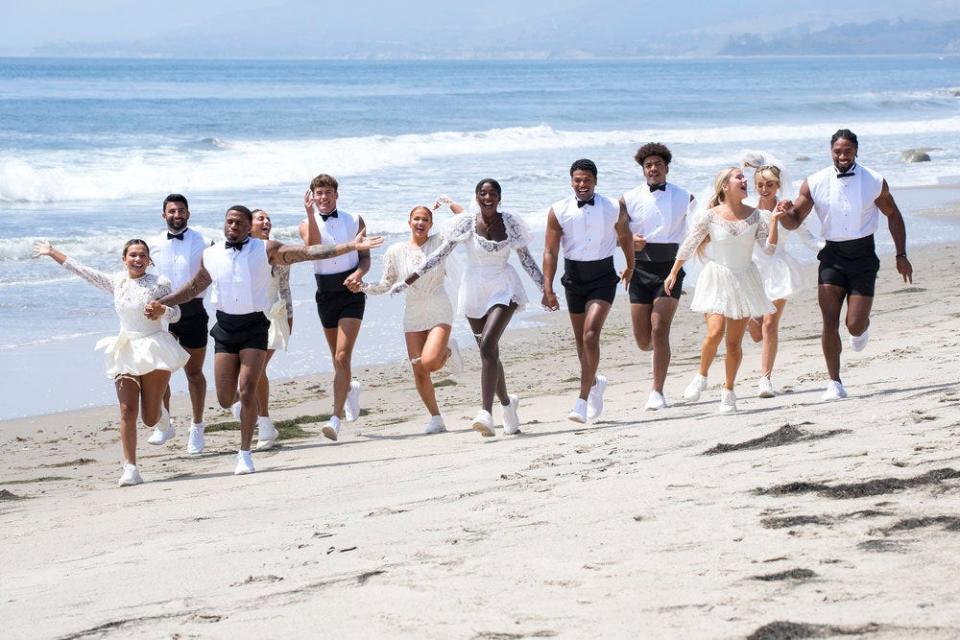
[(549, 301), (398, 288), (42, 248), (442, 200), (784, 206), (354, 281), (154, 310), (363, 243), (905, 269), (639, 242)]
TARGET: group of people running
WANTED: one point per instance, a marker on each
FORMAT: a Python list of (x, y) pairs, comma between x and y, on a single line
[(658, 226)]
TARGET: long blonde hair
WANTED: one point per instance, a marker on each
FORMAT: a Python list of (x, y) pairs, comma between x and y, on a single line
[(718, 184)]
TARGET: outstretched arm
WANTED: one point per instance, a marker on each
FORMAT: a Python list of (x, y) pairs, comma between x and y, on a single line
[(625, 238), (898, 230), (97, 278), (551, 251), (279, 253), (530, 266), (795, 212), (387, 280), (197, 285)]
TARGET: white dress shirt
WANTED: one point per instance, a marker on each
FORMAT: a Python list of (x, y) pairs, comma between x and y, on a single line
[(846, 206), (589, 232)]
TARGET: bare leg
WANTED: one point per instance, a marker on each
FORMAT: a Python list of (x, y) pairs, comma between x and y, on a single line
[(715, 327), (661, 318), (589, 343), (196, 382), (341, 342), (488, 331), (858, 313), (734, 344), (263, 388), (153, 386), (770, 328), (831, 303), (128, 394), (435, 351), (642, 328), (251, 368), (422, 368)]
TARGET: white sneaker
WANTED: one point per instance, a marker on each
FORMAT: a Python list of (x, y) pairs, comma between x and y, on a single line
[(332, 429), (728, 401), (351, 408), (266, 433), (162, 435), (244, 463), (235, 409), (595, 399), (655, 402), (435, 425), (859, 343), (484, 424), (195, 442), (130, 476), (695, 388), (765, 388), (511, 420), (834, 391), (579, 412), (454, 363)]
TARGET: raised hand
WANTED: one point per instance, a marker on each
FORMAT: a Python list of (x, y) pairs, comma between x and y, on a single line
[(308, 201), (363, 243), (42, 248), (442, 200)]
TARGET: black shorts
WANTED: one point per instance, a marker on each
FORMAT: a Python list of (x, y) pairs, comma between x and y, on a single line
[(850, 264), (191, 330), (585, 281), (646, 285), (233, 333), (335, 302)]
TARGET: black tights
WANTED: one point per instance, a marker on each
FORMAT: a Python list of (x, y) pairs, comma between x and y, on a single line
[(487, 331)]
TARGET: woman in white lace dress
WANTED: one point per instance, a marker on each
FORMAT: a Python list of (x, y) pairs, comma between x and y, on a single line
[(281, 325), (427, 313), (729, 290), (490, 292), (782, 274), (141, 358)]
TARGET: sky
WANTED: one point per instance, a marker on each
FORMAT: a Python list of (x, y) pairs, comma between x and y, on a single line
[(266, 27)]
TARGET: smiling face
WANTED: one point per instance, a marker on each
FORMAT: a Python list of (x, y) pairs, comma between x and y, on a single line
[(236, 226), (767, 185), (421, 221), (844, 154), (584, 183), (655, 170), (487, 196), (326, 198), (136, 258), (261, 226), (176, 215), (736, 186)]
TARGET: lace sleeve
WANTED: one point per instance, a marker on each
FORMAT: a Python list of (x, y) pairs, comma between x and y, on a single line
[(517, 232), (699, 231), (283, 288), (390, 274), (807, 238), (763, 231), (530, 266), (441, 253), (98, 279), (164, 288)]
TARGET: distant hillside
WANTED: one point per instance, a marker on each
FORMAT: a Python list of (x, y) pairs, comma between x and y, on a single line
[(881, 37)]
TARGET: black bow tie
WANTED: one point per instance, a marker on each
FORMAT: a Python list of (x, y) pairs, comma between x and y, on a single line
[(846, 174), (178, 236), (327, 216), (582, 203), (658, 187), (237, 246)]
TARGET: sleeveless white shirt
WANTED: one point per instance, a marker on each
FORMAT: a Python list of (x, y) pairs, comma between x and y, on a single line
[(241, 279), (178, 260), (846, 206), (659, 216), (337, 230), (589, 232)]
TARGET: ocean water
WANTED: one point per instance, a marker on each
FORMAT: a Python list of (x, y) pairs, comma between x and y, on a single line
[(89, 148)]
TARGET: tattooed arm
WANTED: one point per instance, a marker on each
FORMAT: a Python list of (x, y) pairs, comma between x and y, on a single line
[(280, 254), (197, 285)]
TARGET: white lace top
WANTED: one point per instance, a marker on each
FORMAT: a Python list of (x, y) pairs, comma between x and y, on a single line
[(427, 304), (130, 296), (723, 233)]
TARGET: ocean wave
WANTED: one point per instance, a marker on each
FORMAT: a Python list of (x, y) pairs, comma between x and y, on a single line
[(115, 174)]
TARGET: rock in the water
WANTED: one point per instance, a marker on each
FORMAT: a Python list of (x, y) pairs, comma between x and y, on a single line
[(802, 158), (914, 155)]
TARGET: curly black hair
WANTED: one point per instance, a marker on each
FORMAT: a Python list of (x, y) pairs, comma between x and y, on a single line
[(653, 149)]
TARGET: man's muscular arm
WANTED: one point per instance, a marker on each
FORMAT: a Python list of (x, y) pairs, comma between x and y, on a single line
[(279, 253), (898, 230), (795, 212), (197, 285)]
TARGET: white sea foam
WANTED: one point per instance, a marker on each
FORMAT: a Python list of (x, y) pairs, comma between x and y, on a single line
[(224, 165)]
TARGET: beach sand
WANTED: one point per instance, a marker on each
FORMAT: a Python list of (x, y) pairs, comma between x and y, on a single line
[(789, 519)]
